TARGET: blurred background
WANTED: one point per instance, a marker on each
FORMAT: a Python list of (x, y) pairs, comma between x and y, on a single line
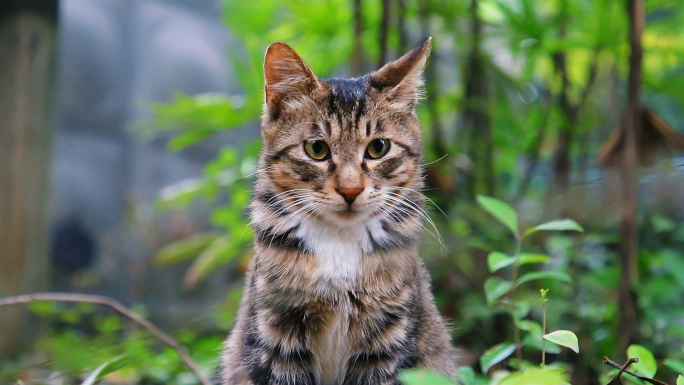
[(129, 138)]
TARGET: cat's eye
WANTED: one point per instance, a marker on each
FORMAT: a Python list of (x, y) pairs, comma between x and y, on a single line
[(317, 149), (377, 148)]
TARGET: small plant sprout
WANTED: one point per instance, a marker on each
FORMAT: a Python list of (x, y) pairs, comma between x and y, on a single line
[(543, 301)]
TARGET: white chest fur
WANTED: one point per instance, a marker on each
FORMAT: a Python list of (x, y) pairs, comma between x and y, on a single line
[(332, 350), (339, 253), (338, 250)]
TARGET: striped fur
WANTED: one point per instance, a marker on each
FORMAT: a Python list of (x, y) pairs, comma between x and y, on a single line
[(336, 293)]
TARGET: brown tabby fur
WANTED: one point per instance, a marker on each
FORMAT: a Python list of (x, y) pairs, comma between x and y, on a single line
[(336, 293)]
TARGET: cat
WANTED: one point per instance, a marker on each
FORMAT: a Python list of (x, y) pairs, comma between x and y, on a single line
[(336, 293)]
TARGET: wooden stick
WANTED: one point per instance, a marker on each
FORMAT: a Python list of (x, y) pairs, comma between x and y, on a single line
[(117, 307), (623, 369)]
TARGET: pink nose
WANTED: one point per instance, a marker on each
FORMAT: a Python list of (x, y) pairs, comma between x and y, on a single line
[(349, 194)]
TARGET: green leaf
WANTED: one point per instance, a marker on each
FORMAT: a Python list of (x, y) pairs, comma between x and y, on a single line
[(564, 338), (221, 251), (501, 211), (465, 375), (675, 365), (537, 376), (526, 258), (534, 337), (680, 380), (424, 377), (184, 249), (497, 260), (521, 309), (646, 366), (534, 341), (108, 367), (496, 287), (536, 275), (43, 308), (187, 139), (530, 326), (495, 355), (557, 225)]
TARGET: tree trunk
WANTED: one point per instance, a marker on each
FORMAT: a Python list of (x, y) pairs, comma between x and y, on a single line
[(401, 25), (629, 235), (561, 164), (384, 30), (356, 65), (435, 141), (27, 67), (476, 115)]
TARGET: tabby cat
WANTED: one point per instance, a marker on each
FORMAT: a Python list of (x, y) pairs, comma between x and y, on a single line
[(336, 293)]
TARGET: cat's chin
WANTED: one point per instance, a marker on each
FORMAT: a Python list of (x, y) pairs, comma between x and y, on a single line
[(348, 214), (346, 217)]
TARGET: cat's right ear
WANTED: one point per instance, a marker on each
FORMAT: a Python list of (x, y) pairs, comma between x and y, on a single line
[(287, 76)]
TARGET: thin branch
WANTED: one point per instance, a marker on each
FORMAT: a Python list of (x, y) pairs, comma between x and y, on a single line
[(608, 362), (514, 279), (117, 307)]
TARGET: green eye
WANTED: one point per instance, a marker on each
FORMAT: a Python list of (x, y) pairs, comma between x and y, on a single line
[(317, 149), (377, 148)]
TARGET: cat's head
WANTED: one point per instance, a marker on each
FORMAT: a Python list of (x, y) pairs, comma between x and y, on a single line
[(341, 150)]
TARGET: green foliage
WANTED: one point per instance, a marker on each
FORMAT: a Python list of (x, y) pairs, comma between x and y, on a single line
[(43, 308), (647, 365), (495, 355), (185, 249), (98, 344), (497, 260), (496, 287), (559, 276), (424, 377), (564, 338), (501, 211), (108, 367), (560, 225), (537, 375)]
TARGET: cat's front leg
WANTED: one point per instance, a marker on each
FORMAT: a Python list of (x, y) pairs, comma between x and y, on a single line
[(275, 348), (373, 368)]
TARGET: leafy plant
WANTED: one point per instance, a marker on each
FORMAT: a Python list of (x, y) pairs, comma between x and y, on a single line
[(496, 287)]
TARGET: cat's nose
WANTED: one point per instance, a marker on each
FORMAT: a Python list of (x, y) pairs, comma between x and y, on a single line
[(349, 194)]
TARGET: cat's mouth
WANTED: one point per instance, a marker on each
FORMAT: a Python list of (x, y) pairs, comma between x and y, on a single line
[(350, 211)]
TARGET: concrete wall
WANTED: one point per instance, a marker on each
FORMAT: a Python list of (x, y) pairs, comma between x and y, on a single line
[(115, 57)]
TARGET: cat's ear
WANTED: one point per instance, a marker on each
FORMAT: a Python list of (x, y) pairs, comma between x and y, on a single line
[(404, 75), (286, 75)]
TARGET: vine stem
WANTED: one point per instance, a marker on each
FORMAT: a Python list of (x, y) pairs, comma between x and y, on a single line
[(516, 331), (543, 332), (117, 307)]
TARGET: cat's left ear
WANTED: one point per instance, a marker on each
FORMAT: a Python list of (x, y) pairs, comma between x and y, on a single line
[(404, 75)]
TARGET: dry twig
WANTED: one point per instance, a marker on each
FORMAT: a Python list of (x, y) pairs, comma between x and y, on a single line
[(117, 307), (623, 369)]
